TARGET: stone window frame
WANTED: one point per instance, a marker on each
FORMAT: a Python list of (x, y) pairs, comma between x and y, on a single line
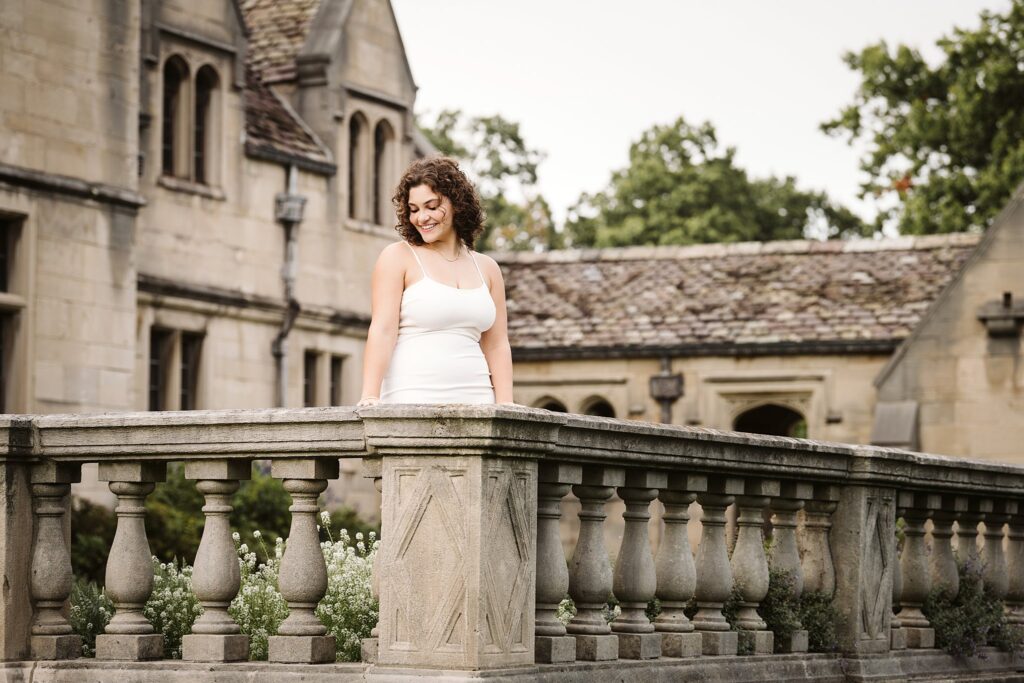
[(723, 396), (323, 377), (372, 169), (591, 402), (201, 87), (180, 386), (13, 310)]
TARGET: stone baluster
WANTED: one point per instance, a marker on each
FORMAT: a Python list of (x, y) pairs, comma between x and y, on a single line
[(52, 636), (967, 551), (993, 559), (785, 554), (129, 575), (590, 577), (216, 577), (676, 572), (943, 562), (635, 581), (369, 647), (714, 576), (554, 480), (914, 570), (816, 566), (897, 636), (1015, 569), (302, 638), (749, 565)]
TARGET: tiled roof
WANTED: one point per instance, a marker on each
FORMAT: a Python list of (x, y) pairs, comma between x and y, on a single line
[(726, 298), (277, 31), (273, 131)]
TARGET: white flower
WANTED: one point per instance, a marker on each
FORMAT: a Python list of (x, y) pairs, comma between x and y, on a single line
[(235, 536), (256, 534), (325, 518)]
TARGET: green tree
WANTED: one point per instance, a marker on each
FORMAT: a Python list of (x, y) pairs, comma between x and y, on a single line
[(944, 143), (504, 168), (683, 187)]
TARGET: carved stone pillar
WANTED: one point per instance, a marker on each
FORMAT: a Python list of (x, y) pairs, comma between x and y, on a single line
[(816, 565), (749, 565), (967, 550), (897, 636), (457, 565), (552, 645), (915, 573), (785, 554), (943, 561), (865, 521), (129, 576), (51, 583), (369, 647), (993, 559), (216, 577), (1015, 569), (590, 577), (714, 576), (302, 638), (676, 572), (635, 581)]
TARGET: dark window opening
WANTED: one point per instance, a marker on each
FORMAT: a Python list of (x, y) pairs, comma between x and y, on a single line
[(160, 343), (6, 239), (191, 345), (379, 140), (174, 76), (336, 367), (771, 419), (206, 82), (553, 405), (355, 131), (600, 408), (309, 378)]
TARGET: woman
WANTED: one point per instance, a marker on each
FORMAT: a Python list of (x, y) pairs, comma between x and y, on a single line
[(438, 332)]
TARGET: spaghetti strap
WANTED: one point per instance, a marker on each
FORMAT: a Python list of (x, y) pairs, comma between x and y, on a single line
[(423, 271), (483, 282)]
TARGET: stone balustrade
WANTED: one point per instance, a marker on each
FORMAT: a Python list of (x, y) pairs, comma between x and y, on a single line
[(471, 569)]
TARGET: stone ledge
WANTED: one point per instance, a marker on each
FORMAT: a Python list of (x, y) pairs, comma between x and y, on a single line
[(927, 664)]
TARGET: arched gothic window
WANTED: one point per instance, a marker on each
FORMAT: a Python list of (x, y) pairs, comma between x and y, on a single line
[(204, 128), (383, 137), (358, 130), (773, 420), (552, 404), (174, 129), (599, 407)]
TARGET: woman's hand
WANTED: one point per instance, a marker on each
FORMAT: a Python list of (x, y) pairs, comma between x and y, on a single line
[(367, 401)]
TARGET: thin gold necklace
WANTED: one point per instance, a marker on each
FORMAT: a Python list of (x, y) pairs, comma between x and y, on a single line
[(458, 254)]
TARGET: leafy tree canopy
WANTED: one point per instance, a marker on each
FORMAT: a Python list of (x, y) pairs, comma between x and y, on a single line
[(683, 187), (504, 168), (945, 143)]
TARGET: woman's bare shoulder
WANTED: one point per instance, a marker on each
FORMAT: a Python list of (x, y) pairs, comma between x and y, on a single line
[(487, 264)]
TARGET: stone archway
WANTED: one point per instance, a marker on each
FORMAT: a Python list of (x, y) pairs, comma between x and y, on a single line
[(772, 419)]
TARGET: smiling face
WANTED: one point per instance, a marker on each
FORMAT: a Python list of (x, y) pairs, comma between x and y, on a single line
[(431, 215)]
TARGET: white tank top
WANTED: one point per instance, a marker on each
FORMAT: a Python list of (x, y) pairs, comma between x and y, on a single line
[(437, 357)]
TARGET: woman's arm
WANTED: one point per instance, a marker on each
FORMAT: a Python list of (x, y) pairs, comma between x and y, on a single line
[(386, 288), (494, 342)]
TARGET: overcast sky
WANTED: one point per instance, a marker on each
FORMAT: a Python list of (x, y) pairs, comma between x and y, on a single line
[(586, 78)]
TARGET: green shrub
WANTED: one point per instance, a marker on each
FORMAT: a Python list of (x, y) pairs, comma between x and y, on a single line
[(173, 607), (780, 608), (348, 610), (92, 533), (258, 609), (972, 619), (90, 613), (819, 616)]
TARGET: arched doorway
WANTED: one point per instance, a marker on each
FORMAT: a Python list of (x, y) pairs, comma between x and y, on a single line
[(552, 404), (598, 406), (771, 419)]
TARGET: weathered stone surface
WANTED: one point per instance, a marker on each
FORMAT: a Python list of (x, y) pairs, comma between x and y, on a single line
[(130, 647), (301, 649), (715, 643), (368, 650), (555, 649), (56, 647), (681, 644), (210, 647), (596, 648), (457, 566), (919, 638), (796, 642), (756, 642), (897, 639), (639, 645)]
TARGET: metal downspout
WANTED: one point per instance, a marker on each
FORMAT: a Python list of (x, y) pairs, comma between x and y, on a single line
[(288, 208)]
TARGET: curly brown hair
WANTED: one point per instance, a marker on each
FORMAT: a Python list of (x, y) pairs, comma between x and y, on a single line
[(443, 176)]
